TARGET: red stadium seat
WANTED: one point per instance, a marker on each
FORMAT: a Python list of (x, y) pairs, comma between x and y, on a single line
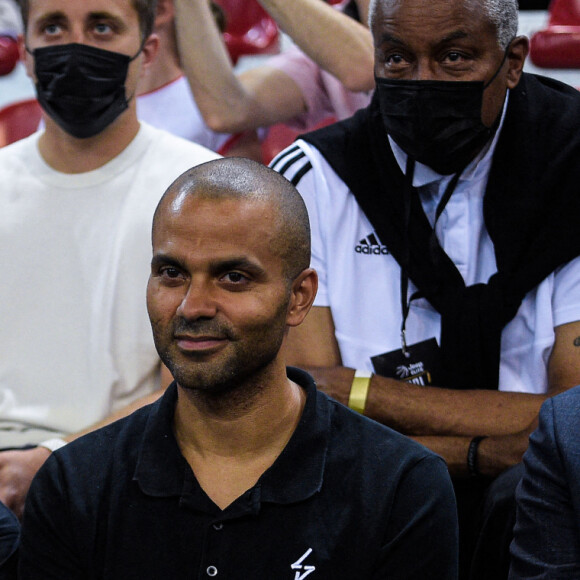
[(8, 54), (280, 136), (19, 120), (249, 29), (558, 45)]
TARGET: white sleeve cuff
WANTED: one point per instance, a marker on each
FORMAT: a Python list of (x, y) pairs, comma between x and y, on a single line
[(53, 444)]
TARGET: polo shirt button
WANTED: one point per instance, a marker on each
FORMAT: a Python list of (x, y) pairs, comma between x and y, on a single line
[(218, 527), (212, 571)]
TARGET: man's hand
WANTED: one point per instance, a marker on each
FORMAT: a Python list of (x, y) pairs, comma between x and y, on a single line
[(17, 468)]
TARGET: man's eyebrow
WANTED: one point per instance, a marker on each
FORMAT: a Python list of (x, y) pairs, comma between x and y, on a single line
[(100, 15), (165, 260), (456, 35), (54, 16), (237, 263), (386, 37)]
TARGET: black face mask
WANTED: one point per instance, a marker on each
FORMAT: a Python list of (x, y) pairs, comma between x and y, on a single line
[(437, 123), (81, 87)]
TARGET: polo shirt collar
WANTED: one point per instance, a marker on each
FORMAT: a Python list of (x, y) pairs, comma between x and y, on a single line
[(298, 472), (161, 468), (296, 475)]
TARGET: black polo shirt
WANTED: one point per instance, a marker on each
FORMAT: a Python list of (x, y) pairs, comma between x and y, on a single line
[(346, 499)]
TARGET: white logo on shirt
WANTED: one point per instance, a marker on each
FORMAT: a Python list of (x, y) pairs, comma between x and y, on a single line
[(298, 566)]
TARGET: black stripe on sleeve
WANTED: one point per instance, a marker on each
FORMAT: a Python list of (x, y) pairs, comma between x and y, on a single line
[(300, 174), (284, 153)]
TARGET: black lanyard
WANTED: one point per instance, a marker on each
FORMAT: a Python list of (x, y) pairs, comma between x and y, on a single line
[(433, 243)]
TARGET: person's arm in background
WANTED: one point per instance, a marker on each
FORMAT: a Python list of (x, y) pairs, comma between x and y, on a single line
[(445, 420), (18, 467), (260, 97), (339, 44), (264, 95)]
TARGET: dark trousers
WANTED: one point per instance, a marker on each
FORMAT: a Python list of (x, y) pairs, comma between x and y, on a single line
[(487, 512)]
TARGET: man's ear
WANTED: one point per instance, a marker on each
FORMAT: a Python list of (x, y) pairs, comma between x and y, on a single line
[(25, 57), (150, 48), (302, 296), (517, 53)]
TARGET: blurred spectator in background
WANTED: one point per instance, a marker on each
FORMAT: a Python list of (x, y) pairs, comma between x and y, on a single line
[(328, 74), (77, 202), (165, 99)]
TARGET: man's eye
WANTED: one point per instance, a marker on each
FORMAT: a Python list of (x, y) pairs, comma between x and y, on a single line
[(169, 272), (51, 29), (394, 60), (234, 277), (103, 28), (455, 57)]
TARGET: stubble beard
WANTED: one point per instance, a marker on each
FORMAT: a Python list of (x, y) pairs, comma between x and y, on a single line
[(238, 374)]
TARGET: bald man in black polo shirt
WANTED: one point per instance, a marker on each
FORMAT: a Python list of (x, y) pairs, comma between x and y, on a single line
[(243, 469)]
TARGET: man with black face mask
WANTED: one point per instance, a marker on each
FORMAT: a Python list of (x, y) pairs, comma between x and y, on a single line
[(77, 201), (444, 232)]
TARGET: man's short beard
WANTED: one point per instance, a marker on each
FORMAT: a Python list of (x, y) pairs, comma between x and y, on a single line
[(241, 372)]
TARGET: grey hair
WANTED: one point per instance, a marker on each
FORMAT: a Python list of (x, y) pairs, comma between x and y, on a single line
[(503, 14)]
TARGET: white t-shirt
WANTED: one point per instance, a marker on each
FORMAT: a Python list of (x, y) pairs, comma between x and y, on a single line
[(360, 280), (173, 108), (75, 251)]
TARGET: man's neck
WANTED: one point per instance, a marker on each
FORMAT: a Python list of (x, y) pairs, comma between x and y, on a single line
[(67, 154), (230, 446)]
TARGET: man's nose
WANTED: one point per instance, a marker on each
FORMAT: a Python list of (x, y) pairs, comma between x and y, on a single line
[(198, 302)]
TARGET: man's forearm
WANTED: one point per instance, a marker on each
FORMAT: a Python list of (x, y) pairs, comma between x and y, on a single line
[(230, 103), (337, 43), (434, 411), (438, 411), (205, 60), (494, 454)]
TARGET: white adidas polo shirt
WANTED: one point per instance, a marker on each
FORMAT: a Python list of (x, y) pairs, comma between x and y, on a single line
[(360, 280)]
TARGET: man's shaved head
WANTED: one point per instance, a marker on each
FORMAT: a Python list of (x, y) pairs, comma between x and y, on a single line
[(243, 179)]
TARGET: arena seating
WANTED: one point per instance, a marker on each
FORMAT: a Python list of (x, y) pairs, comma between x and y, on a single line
[(8, 54), (18, 120), (250, 30), (280, 136), (558, 45)]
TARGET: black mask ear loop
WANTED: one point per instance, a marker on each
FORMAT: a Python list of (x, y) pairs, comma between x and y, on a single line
[(496, 73), (141, 46)]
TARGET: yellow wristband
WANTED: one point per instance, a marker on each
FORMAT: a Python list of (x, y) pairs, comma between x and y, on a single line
[(359, 391)]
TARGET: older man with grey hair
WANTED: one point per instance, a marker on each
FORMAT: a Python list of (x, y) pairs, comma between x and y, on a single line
[(445, 234)]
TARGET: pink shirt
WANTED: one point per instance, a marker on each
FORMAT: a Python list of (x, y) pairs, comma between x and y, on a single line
[(324, 94)]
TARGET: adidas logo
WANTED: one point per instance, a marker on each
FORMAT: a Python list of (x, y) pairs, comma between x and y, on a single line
[(371, 245)]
